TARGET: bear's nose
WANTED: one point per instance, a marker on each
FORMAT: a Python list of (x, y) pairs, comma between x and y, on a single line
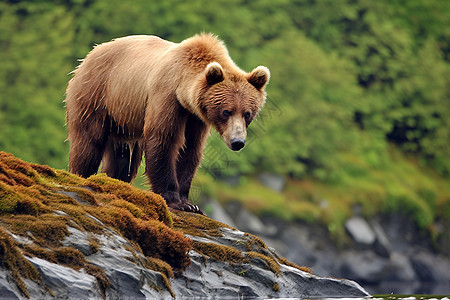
[(237, 144)]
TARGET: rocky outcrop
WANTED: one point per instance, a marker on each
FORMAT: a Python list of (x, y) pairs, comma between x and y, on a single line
[(206, 277), (67, 237), (386, 254)]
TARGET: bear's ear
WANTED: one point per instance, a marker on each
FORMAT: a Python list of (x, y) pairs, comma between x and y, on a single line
[(214, 73), (259, 77)]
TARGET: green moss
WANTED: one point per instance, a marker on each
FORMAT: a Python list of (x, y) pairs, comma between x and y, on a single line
[(133, 209)]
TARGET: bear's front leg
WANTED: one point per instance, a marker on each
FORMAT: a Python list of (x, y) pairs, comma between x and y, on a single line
[(160, 161), (190, 156)]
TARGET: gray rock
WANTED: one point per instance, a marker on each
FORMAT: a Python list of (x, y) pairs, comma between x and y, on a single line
[(219, 214), (430, 267), (382, 246), (205, 278), (8, 289), (401, 268), (128, 277), (247, 221), (360, 231), (212, 279), (78, 240), (66, 283), (364, 266), (311, 286), (272, 181)]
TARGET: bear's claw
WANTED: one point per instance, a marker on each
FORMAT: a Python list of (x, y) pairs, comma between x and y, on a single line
[(187, 207)]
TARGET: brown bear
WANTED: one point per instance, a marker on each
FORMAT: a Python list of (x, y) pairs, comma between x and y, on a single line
[(141, 94)]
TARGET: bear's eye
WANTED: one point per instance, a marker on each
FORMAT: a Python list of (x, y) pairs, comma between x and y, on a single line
[(247, 115), (226, 113)]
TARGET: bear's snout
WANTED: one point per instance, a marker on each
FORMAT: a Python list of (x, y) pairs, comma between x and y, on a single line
[(237, 144)]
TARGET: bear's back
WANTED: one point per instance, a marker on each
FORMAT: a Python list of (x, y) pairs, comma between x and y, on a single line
[(133, 63)]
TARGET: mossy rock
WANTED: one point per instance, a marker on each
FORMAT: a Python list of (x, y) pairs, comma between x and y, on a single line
[(40, 203), (39, 206)]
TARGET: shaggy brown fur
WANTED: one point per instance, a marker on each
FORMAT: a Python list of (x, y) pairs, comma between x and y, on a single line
[(143, 94)]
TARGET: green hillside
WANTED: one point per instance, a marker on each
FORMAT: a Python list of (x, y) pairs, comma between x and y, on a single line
[(358, 104)]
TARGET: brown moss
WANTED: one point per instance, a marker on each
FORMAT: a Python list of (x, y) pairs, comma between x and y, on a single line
[(71, 258), (31, 194), (160, 266), (83, 195), (164, 269), (100, 275), (197, 225), (254, 243), (4, 178), (44, 170), (284, 261), (13, 260), (66, 256), (94, 244), (16, 171), (47, 229), (220, 252), (38, 251), (154, 238), (275, 287), (270, 263), (153, 205)]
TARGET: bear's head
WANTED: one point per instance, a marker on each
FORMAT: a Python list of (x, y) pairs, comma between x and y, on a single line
[(231, 100)]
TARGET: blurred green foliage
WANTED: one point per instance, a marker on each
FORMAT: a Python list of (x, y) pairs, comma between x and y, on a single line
[(351, 80)]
